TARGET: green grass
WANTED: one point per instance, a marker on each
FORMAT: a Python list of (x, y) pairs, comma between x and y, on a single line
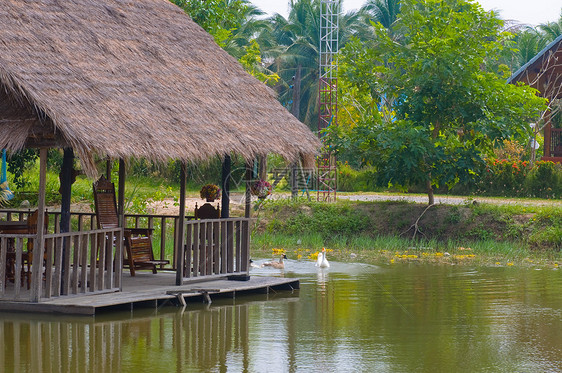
[(392, 249)]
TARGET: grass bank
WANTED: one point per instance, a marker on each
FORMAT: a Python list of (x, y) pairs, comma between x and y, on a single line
[(398, 231)]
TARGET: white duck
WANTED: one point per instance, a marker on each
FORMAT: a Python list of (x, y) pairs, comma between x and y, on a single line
[(279, 265), (322, 262), (319, 260)]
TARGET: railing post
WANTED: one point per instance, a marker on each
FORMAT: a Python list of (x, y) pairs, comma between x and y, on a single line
[(245, 254), (118, 265), (37, 264), (179, 251)]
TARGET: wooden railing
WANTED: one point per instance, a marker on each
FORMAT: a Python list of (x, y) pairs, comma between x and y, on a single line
[(163, 236), (213, 249), (70, 263), (216, 248)]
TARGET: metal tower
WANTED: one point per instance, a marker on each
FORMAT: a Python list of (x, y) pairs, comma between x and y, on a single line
[(328, 96)]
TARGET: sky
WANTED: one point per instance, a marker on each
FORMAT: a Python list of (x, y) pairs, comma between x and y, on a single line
[(531, 12)]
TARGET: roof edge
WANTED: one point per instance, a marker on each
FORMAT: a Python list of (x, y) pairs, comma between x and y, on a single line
[(539, 55)]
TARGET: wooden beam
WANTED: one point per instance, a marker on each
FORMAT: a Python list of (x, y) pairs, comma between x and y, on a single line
[(66, 188), (37, 264), (180, 238), (248, 199), (547, 135), (225, 185), (121, 194), (108, 167)]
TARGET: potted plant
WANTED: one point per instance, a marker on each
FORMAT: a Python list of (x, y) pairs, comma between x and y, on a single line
[(261, 189), (210, 192)]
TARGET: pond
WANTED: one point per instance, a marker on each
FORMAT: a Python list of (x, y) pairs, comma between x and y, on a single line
[(348, 318)]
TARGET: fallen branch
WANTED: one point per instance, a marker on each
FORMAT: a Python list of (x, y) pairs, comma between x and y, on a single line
[(415, 226)]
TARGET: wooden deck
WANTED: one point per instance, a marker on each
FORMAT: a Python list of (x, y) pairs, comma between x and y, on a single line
[(152, 290)]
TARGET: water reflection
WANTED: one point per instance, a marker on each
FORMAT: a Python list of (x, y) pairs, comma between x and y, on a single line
[(345, 318)]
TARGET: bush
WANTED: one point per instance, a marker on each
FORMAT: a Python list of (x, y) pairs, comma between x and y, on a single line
[(325, 219), (350, 180), (545, 180)]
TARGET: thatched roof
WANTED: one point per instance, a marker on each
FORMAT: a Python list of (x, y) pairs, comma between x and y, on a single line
[(544, 71), (123, 78)]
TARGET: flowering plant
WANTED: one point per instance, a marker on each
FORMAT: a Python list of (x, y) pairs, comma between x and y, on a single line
[(210, 192), (261, 189)]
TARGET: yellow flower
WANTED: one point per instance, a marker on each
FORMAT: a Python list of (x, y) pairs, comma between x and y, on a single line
[(510, 264)]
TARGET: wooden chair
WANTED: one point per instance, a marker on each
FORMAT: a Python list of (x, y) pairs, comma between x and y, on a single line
[(207, 211), (138, 241)]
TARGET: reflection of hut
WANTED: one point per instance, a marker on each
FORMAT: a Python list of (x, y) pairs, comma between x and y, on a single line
[(544, 72), (116, 79)]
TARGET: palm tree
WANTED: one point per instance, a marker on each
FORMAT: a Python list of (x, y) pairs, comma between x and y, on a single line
[(530, 41), (291, 44), (383, 11), (551, 30)]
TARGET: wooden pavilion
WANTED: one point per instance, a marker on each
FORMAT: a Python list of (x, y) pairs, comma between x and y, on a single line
[(544, 73), (114, 79)]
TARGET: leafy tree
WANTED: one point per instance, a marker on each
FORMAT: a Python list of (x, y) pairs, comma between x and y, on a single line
[(234, 25), (217, 16), (19, 162), (431, 105)]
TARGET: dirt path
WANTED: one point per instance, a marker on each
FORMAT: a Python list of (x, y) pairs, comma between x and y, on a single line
[(449, 200), (170, 207)]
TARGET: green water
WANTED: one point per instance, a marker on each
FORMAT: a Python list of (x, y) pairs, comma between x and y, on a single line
[(348, 318)]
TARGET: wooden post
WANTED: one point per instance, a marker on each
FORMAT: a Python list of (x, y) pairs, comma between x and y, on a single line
[(248, 199), (66, 189), (262, 168), (294, 181), (121, 194), (547, 135), (108, 166), (180, 243), (37, 264), (225, 185)]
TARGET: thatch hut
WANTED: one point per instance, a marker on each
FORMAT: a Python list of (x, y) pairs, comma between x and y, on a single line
[(117, 79), (544, 73), (120, 78)]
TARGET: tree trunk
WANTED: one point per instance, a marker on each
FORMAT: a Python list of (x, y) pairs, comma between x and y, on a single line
[(430, 192)]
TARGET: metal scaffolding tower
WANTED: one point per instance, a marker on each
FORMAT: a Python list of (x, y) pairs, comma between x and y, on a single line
[(328, 96)]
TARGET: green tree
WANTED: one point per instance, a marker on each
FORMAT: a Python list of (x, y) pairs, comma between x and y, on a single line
[(219, 16), (234, 26), (431, 105)]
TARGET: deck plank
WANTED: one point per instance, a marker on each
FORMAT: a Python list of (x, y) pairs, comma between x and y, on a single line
[(147, 288)]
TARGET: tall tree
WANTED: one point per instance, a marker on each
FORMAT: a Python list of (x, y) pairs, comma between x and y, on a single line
[(551, 30), (292, 42), (432, 107), (383, 11)]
